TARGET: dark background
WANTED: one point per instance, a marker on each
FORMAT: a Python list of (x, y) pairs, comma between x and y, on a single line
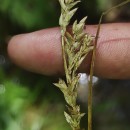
[(29, 101)]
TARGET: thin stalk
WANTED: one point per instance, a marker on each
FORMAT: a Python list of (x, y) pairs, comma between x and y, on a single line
[(117, 6), (93, 62), (64, 55), (90, 92)]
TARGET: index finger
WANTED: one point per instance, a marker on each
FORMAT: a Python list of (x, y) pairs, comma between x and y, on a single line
[(40, 51)]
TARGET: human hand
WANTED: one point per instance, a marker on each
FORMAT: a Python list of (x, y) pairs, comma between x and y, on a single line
[(40, 51)]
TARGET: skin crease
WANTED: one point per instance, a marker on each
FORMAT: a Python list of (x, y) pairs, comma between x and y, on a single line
[(40, 51)]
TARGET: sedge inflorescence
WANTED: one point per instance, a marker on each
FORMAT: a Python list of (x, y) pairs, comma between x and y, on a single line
[(76, 45)]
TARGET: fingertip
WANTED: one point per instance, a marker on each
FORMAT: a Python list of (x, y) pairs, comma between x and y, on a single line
[(11, 47), (39, 52)]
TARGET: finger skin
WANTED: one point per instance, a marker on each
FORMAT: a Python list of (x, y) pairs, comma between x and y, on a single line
[(40, 51)]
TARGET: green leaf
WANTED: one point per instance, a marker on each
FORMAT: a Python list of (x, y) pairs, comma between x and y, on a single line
[(61, 85), (74, 26), (68, 118), (62, 3), (71, 5), (61, 20), (83, 20), (70, 14), (88, 40)]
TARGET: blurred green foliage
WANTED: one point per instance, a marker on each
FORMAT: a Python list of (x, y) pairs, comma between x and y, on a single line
[(26, 109), (31, 13), (29, 101)]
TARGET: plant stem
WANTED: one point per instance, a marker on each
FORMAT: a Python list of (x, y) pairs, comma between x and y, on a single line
[(92, 64), (63, 53)]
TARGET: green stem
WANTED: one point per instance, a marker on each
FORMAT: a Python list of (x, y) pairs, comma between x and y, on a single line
[(117, 6), (91, 79), (64, 57)]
